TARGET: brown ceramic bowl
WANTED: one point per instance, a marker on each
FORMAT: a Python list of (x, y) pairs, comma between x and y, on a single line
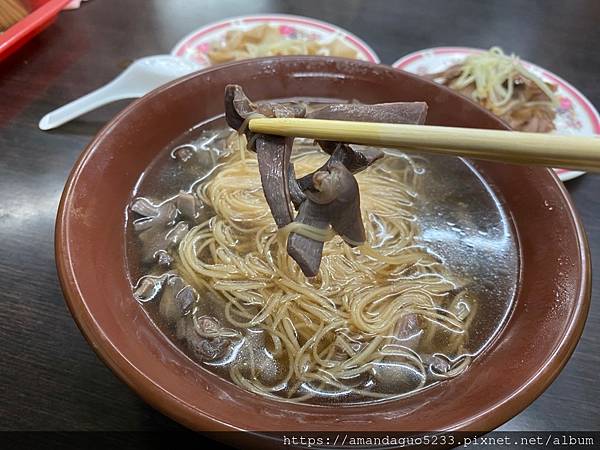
[(545, 325)]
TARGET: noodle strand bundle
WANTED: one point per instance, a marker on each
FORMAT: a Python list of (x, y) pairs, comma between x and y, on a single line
[(385, 306)]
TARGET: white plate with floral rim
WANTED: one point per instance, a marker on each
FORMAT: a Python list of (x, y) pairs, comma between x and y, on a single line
[(197, 44), (575, 115)]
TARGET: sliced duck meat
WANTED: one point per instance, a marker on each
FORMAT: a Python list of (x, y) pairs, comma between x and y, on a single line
[(286, 109), (171, 308), (160, 227), (152, 215), (296, 193), (305, 251), (330, 195), (398, 112), (177, 233), (334, 199), (148, 288), (204, 337), (273, 152), (529, 108), (437, 365), (153, 226), (238, 107), (408, 332), (186, 205), (163, 258), (337, 188), (355, 160)]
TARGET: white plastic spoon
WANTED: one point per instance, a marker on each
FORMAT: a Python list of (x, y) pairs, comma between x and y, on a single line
[(138, 79)]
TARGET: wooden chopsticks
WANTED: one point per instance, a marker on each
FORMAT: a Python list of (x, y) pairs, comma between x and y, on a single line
[(573, 152), (11, 11)]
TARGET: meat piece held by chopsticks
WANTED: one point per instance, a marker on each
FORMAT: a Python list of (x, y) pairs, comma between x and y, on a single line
[(273, 152), (328, 197)]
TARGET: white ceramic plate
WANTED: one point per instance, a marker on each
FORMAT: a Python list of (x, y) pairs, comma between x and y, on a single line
[(196, 44), (575, 114)]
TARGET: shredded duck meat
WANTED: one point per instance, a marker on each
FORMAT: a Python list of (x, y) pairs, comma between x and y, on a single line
[(501, 84)]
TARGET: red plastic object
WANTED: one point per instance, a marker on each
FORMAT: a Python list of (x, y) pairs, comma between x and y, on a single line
[(43, 13)]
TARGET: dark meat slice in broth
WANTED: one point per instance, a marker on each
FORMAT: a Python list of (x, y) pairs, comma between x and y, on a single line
[(357, 160), (306, 251), (238, 107), (345, 216), (177, 298), (397, 112), (296, 194), (327, 197), (338, 189), (186, 205), (273, 152), (333, 200)]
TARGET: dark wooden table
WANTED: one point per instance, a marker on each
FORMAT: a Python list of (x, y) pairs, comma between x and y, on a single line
[(50, 379)]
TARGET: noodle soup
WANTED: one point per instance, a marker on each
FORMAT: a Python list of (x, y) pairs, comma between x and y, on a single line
[(412, 307)]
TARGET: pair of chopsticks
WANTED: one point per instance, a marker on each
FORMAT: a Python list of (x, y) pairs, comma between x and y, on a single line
[(11, 11), (515, 147)]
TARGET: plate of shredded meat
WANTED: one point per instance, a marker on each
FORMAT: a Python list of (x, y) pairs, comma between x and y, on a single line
[(527, 97), (256, 36)]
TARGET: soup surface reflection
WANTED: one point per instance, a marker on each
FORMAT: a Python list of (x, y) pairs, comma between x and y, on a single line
[(413, 307)]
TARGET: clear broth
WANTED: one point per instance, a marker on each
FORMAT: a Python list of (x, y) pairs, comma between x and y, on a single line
[(461, 220)]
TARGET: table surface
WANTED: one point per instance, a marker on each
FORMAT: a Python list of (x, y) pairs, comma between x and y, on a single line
[(50, 379)]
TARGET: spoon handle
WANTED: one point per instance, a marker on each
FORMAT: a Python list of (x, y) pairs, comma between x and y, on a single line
[(95, 99)]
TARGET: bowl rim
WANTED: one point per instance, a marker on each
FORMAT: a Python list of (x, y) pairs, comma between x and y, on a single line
[(194, 418)]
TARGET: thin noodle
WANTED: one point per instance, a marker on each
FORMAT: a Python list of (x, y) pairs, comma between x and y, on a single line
[(329, 334)]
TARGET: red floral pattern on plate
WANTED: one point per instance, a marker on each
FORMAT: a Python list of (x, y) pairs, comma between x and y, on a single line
[(196, 45)]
